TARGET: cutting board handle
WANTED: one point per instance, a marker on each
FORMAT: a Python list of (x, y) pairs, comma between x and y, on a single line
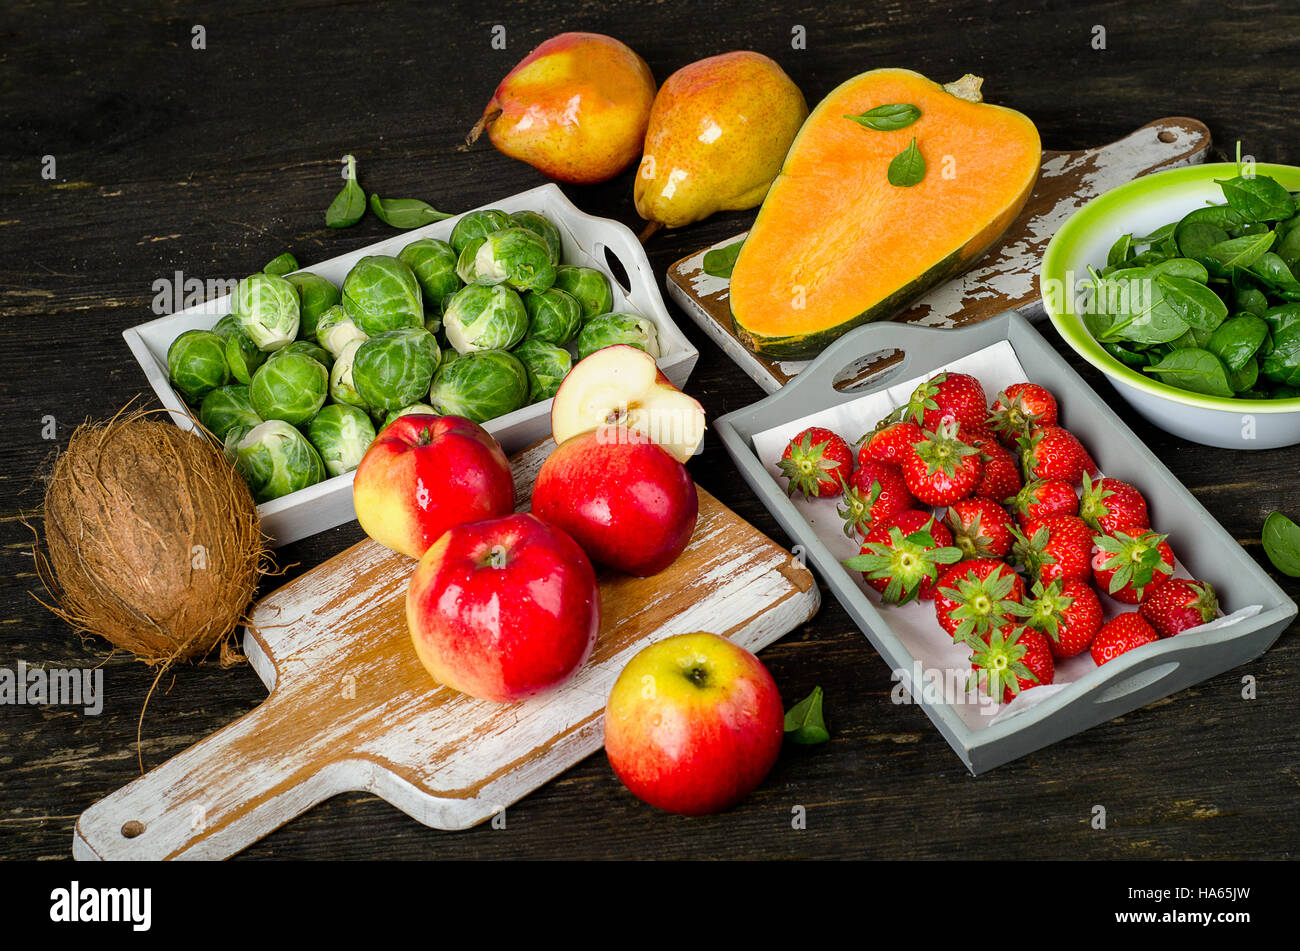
[(220, 795)]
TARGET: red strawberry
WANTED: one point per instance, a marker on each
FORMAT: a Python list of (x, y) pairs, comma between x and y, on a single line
[(1068, 612), (976, 597), (980, 527), (1052, 452), (977, 436), (1019, 409), (1058, 547), (1044, 497), (817, 462), (948, 396), (942, 468), (1121, 633), (1013, 662), (1001, 478), (902, 555), (893, 443), (1130, 567), (1179, 604), (876, 491), (1110, 506)]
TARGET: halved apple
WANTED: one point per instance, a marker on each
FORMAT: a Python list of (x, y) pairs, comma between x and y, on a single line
[(621, 384)]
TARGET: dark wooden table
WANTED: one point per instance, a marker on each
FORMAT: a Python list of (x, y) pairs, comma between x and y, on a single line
[(212, 161)]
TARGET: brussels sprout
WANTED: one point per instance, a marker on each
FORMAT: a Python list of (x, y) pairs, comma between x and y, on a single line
[(335, 330), (267, 309), (315, 296), (227, 407), (424, 408), (433, 263), (433, 323), (232, 440), (306, 348), (381, 293), (554, 316), (546, 365), (478, 224), (196, 363), (395, 369), (226, 326), (467, 262), (275, 459), (609, 329), (485, 318), (242, 356), (589, 286), (342, 387), (281, 264), (480, 386), (341, 434), (291, 388), (539, 224), (517, 257)]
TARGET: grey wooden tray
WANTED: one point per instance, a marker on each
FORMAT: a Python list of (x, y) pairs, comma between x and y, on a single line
[(1136, 679)]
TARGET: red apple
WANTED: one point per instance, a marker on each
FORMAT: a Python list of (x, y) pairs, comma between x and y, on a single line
[(622, 384), (504, 608), (628, 503), (424, 474), (693, 724)]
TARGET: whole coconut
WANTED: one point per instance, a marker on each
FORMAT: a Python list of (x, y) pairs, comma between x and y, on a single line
[(152, 537)]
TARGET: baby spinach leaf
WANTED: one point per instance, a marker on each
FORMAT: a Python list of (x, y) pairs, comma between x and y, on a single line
[(1197, 370), (1194, 237), (349, 204), (1282, 365), (907, 167), (1160, 234), (804, 722), (1238, 339), (888, 118), (1194, 303), (1132, 358), (1237, 252), (1181, 267), (1244, 380), (1281, 540), (1222, 217), (405, 213), (1120, 251), (1249, 299), (1273, 272), (1280, 317), (720, 261), (1259, 198), (1289, 249)]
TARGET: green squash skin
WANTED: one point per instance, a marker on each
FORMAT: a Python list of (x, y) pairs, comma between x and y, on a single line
[(805, 346)]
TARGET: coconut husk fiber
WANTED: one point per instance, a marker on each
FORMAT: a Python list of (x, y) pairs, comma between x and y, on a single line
[(152, 539)]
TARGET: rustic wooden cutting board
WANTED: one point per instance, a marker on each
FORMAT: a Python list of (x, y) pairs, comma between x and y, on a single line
[(1005, 278), (351, 708)]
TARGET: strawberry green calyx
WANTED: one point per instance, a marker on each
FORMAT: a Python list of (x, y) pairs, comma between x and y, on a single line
[(1092, 501), (1046, 609), (1002, 662), (905, 561), (922, 399), (808, 467), (1134, 559), (942, 450), (857, 507), (983, 604), (1030, 552)]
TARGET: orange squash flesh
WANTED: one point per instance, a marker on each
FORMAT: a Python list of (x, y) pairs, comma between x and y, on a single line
[(836, 245)]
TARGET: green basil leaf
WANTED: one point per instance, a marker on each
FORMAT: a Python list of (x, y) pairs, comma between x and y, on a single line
[(804, 722), (1197, 370), (907, 167), (719, 262), (1258, 198), (405, 213), (349, 204), (1281, 538), (281, 265), (888, 118)]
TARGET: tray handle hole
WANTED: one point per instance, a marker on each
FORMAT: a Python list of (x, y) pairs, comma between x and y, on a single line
[(617, 270), (1135, 683), (869, 370)]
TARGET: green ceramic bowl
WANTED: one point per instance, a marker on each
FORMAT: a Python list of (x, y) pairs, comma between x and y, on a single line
[(1140, 207)]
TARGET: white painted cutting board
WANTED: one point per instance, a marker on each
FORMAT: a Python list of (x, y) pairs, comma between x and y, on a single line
[(352, 709), (1005, 278)]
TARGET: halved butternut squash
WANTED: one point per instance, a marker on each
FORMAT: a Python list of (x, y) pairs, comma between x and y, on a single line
[(836, 245)]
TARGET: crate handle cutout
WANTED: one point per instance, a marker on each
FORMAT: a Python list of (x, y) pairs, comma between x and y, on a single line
[(873, 369), (1136, 682)]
